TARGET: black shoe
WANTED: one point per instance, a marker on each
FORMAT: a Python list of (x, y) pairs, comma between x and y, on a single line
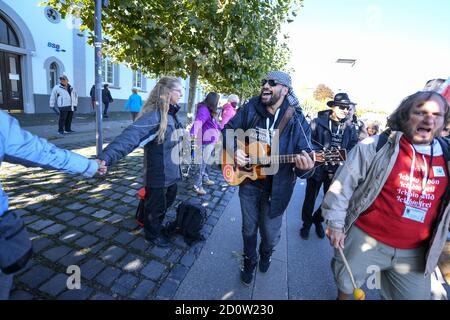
[(264, 263), (105, 116), (247, 272), (304, 233), (61, 132), (319, 230), (161, 241)]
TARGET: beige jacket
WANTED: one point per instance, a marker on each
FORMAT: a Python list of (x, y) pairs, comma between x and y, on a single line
[(358, 182)]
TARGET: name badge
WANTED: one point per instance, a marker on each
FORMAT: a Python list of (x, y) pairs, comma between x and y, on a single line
[(438, 171), (414, 214)]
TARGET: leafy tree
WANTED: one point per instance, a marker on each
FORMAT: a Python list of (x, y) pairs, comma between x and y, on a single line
[(227, 44), (323, 93)]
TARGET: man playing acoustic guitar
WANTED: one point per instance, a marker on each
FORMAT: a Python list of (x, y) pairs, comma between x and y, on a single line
[(274, 118)]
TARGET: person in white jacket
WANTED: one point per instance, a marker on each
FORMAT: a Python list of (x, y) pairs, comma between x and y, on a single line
[(21, 147), (65, 98)]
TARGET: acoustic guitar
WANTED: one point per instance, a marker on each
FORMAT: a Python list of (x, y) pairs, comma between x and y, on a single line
[(259, 158)]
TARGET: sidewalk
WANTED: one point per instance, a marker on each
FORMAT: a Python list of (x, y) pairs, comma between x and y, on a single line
[(89, 223)]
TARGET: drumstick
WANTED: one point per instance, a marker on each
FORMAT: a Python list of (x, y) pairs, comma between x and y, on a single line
[(358, 293)]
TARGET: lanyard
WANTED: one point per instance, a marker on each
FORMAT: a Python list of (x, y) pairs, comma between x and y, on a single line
[(270, 128), (425, 176), (331, 128)]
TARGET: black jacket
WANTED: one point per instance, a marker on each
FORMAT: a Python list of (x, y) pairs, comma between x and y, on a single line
[(106, 96), (321, 138), (295, 137), (159, 169)]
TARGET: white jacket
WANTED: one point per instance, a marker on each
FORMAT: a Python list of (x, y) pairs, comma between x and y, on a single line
[(60, 97)]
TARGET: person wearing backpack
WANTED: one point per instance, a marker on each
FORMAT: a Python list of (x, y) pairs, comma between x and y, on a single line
[(388, 205), (19, 146), (264, 201), (155, 127)]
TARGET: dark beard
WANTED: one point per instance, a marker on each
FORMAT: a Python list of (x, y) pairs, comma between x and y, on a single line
[(274, 99)]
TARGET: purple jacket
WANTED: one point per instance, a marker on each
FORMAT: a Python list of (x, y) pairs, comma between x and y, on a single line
[(210, 130), (227, 114)]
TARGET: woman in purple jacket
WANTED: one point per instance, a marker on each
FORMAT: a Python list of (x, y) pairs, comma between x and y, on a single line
[(206, 131)]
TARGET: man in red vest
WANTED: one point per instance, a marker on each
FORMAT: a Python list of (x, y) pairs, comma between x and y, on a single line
[(389, 203)]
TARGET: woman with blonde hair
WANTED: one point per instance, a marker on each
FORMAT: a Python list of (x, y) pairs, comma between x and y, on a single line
[(153, 129)]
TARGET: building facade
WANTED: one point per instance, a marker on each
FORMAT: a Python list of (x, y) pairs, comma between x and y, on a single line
[(37, 46)]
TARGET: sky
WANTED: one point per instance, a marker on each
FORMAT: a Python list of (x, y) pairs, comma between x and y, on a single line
[(398, 46)]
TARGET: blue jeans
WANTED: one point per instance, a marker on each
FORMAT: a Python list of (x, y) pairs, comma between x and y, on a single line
[(6, 281), (255, 208), (207, 152)]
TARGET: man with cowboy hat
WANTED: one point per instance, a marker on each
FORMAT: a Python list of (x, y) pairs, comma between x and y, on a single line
[(263, 201), (329, 130)]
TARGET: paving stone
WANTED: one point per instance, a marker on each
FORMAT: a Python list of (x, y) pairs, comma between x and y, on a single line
[(125, 210), (124, 284), (20, 212), (72, 258), (107, 276), (54, 229), (129, 224), (108, 204), (101, 296), (112, 254), (115, 218), (53, 211), (55, 285), (139, 244), (159, 252), (175, 256), (98, 247), (86, 241), (178, 273), (34, 206), (21, 295), (188, 259), (132, 263), (76, 294), (143, 290), (76, 206), (153, 270), (88, 210), (130, 200), (106, 232), (29, 219), (40, 224), (66, 216), (167, 290), (56, 253), (36, 276), (70, 236), (79, 221), (40, 244), (91, 268), (101, 213), (93, 226), (94, 200), (115, 196), (124, 237)]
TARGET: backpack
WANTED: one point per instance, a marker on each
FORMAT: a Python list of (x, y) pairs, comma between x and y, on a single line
[(189, 222)]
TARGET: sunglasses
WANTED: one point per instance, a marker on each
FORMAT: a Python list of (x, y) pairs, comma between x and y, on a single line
[(271, 82), (342, 107)]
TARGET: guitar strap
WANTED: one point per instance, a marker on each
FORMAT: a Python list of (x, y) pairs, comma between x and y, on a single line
[(284, 121)]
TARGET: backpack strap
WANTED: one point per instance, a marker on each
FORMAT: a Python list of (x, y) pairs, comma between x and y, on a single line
[(284, 121), (382, 139)]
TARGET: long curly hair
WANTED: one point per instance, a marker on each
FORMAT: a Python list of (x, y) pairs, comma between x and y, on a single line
[(159, 99), (399, 118)]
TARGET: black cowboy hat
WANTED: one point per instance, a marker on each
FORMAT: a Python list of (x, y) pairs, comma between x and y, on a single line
[(340, 99)]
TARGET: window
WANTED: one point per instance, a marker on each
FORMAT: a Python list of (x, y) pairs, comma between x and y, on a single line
[(53, 74), (107, 71), (137, 79), (52, 15), (7, 34)]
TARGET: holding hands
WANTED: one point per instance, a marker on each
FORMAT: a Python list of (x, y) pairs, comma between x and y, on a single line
[(101, 167)]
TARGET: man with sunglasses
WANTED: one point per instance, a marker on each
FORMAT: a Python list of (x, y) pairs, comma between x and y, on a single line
[(263, 201), (329, 130)]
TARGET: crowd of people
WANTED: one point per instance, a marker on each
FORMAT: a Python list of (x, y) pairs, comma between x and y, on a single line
[(388, 202)]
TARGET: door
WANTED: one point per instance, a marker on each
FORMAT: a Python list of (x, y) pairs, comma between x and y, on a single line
[(10, 82)]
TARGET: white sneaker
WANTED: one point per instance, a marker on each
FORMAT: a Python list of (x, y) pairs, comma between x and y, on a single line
[(208, 182), (199, 190)]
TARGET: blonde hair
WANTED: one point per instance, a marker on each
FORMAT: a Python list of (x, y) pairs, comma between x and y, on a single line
[(159, 100)]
